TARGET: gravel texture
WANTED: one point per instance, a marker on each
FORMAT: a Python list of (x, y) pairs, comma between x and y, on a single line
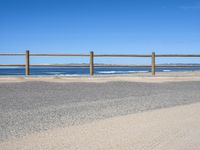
[(29, 107)]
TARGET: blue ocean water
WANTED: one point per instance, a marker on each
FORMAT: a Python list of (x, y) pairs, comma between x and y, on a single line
[(65, 71)]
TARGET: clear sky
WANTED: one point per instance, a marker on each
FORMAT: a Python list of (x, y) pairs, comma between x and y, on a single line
[(104, 26)]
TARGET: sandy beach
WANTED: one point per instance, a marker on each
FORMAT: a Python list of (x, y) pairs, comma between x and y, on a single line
[(136, 77), (119, 112)]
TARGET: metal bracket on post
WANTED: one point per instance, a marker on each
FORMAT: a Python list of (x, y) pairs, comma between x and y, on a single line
[(153, 64), (91, 63), (27, 66)]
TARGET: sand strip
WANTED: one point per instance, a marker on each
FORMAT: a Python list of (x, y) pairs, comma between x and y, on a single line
[(103, 79), (170, 128)]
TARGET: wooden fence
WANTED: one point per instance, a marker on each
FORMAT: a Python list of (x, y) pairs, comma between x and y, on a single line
[(91, 65)]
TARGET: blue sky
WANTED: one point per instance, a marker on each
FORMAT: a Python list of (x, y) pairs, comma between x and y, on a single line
[(104, 26)]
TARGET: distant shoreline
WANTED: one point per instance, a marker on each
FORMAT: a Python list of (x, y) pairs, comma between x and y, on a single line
[(98, 71)]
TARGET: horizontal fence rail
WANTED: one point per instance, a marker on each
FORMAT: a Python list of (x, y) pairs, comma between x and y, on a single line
[(91, 63), (177, 55), (96, 65), (59, 54), (121, 55), (12, 65), (12, 54)]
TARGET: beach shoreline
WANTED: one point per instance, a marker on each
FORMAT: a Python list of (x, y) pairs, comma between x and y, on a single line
[(136, 77)]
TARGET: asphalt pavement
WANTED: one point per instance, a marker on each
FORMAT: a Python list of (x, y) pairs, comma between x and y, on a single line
[(35, 106)]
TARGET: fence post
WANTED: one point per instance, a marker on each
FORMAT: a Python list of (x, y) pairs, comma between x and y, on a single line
[(27, 67), (153, 64), (91, 63)]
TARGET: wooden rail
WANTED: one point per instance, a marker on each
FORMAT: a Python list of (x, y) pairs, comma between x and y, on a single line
[(121, 55), (177, 55), (92, 65), (7, 54), (59, 54)]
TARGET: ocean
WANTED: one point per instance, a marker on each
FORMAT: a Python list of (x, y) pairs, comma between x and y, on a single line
[(73, 71)]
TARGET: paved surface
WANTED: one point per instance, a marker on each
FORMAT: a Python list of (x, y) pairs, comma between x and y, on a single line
[(28, 107)]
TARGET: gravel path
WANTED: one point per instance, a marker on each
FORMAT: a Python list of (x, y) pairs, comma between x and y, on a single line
[(36, 106)]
